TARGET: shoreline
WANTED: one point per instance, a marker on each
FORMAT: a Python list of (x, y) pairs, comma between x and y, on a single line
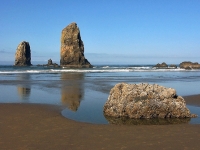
[(41, 126)]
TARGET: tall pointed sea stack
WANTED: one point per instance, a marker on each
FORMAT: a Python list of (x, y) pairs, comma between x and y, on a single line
[(72, 48), (23, 54)]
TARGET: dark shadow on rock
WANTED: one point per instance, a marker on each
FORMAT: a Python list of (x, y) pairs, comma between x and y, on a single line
[(153, 121), (72, 90)]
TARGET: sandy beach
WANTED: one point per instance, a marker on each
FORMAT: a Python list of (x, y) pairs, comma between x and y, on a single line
[(37, 126)]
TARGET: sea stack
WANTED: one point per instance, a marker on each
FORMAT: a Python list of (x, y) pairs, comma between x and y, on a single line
[(23, 54), (72, 48)]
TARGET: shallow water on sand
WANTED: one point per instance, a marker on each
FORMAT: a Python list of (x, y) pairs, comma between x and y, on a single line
[(83, 94)]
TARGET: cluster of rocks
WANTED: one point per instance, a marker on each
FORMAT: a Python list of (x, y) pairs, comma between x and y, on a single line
[(49, 64), (184, 65), (165, 66), (189, 65), (71, 53), (145, 101)]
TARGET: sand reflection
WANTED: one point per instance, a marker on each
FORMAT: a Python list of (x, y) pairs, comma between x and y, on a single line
[(72, 90), (24, 89)]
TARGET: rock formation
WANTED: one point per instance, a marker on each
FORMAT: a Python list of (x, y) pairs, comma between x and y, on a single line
[(145, 101), (161, 66), (23, 54), (189, 65), (72, 48), (165, 66), (173, 66), (49, 64)]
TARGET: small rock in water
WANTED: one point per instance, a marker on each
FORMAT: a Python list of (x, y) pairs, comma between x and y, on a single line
[(161, 66), (49, 64), (145, 101)]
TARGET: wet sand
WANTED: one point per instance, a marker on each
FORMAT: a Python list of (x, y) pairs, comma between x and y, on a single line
[(37, 126), (192, 100)]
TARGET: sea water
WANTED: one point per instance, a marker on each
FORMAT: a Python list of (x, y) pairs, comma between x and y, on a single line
[(83, 92)]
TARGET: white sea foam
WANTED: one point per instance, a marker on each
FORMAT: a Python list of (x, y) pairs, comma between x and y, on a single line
[(96, 69), (33, 71), (91, 70), (105, 67)]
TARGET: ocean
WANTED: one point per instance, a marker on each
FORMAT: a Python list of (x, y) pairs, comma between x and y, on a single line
[(83, 92)]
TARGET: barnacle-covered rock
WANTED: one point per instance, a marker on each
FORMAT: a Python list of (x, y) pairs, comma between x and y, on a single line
[(145, 101)]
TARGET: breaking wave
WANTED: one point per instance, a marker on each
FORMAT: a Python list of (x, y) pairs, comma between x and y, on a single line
[(95, 69)]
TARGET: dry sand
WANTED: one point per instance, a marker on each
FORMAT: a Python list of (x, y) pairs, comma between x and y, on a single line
[(35, 126)]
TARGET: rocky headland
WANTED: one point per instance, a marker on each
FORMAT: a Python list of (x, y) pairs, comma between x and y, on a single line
[(189, 65), (145, 101), (72, 48), (23, 54)]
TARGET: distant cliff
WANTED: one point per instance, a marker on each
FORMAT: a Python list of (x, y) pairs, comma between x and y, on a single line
[(72, 48)]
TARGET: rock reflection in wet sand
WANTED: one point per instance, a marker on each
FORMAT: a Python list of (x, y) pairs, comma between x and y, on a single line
[(23, 92), (71, 90), (24, 89), (154, 121)]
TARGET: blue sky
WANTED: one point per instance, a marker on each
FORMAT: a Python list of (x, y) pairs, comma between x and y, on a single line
[(114, 31)]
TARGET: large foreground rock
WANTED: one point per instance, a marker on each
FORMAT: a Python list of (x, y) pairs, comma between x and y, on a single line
[(189, 65), (72, 48), (145, 101), (23, 54)]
